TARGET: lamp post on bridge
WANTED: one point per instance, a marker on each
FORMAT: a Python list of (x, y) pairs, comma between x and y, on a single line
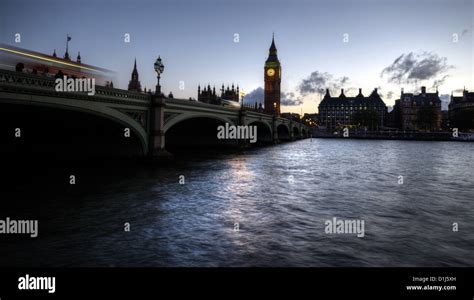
[(242, 95), (157, 150), (159, 68)]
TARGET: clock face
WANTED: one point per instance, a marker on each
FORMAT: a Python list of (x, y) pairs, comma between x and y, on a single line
[(271, 72)]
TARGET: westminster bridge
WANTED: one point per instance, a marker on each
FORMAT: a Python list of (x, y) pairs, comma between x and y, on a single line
[(150, 124)]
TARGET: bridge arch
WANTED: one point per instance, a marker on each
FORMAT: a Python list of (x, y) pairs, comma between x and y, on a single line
[(264, 131), (77, 111), (296, 132), (283, 132), (187, 116), (196, 131)]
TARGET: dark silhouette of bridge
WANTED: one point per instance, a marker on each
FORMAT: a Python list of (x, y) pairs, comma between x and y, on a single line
[(156, 124)]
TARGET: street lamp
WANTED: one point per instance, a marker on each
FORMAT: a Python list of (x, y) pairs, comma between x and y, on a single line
[(242, 96), (159, 67)]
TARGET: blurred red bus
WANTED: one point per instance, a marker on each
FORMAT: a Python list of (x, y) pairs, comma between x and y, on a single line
[(22, 60)]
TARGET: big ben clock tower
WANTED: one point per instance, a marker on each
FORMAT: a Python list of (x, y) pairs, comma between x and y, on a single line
[(272, 81)]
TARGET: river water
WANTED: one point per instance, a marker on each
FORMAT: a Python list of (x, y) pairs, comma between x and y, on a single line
[(279, 197)]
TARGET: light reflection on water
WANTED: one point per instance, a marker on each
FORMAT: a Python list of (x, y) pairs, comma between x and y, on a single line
[(281, 220)]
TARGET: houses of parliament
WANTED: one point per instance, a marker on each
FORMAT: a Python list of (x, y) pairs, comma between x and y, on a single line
[(272, 90), (208, 94)]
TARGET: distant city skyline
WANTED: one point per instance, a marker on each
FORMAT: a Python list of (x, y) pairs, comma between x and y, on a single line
[(367, 44)]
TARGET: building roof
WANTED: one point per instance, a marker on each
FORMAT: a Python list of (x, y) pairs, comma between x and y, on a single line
[(422, 98), (466, 97), (373, 99), (272, 52)]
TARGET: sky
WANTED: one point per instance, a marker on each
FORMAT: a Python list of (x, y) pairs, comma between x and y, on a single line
[(350, 44)]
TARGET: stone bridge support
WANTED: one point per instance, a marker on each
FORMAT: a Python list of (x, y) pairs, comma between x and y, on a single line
[(243, 143), (156, 131), (292, 135), (275, 130)]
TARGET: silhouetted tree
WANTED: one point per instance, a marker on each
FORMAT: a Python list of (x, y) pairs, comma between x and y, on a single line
[(464, 120), (367, 118), (426, 118)]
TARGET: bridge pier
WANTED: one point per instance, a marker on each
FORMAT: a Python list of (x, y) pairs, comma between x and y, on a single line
[(275, 139), (157, 151), (292, 134), (243, 143)]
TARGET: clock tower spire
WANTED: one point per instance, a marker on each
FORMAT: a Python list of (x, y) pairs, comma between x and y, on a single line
[(272, 81)]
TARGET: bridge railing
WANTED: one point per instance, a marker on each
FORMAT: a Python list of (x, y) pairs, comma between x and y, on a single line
[(200, 104), (24, 82), (19, 78), (105, 91)]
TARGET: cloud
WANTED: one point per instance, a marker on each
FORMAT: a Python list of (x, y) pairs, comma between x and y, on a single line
[(343, 80), (389, 95), (440, 82), (318, 82), (315, 83), (289, 99), (413, 67), (256, 95), (351, 91)]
